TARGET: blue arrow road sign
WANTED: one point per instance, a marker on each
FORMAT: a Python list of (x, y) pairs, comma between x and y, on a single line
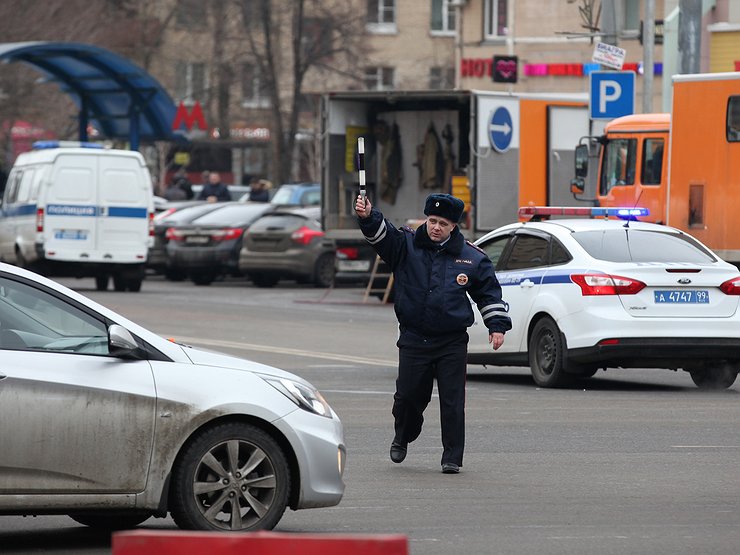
[(500, 129), (612, 94)]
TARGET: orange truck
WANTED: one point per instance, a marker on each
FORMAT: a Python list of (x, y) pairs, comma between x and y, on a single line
[(684, 166)]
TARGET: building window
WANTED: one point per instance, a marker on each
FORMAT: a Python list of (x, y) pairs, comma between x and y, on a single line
[(496, 24), (441, 78), (254, 89), (190, 81), (316, 42), (444, 17), (381, 16), (191, 14), (631, 15), (379, 78)]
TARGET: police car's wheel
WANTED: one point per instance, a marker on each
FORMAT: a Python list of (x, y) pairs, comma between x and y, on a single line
[(547, 354), (719, 377)]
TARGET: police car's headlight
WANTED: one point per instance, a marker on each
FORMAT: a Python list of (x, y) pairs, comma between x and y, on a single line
[(305, 397)]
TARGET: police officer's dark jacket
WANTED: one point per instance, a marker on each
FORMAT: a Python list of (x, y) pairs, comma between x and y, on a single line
[(431, 282)]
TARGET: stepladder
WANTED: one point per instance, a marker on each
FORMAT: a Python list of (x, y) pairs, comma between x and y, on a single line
[(380, 283)]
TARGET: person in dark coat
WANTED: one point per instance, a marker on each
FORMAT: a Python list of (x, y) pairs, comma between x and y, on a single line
[(434, 269), (214, 190)]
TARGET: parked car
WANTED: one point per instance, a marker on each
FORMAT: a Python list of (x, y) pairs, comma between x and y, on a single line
[(295, 194), (111, 424), (586, 294), (208, 246), (237, 191), (175, 213), (288, 244)]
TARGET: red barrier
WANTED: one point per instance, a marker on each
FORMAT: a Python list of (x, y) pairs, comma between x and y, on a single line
[(170, 542)]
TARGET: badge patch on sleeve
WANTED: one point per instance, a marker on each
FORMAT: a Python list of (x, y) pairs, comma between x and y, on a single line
[(462, 279)]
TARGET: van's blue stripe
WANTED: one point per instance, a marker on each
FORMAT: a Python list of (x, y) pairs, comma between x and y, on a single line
[(126, 212), (20, 210)]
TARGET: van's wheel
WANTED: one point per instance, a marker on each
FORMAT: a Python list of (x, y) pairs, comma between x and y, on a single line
[(324, 271), (101, 282), (547, 354), (20, 260), (119, 282), (720, 377), (134, 285), (111, 521), (231, 476)]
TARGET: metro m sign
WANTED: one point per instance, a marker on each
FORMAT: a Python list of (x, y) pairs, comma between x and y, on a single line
[(194, 117)]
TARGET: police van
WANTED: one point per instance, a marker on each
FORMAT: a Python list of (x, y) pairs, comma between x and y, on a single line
[(78, 209)]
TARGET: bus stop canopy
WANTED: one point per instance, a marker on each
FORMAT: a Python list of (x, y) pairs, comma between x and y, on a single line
[(121, 99)]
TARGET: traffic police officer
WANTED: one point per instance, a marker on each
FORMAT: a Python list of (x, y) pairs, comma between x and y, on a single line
[(434, 269)]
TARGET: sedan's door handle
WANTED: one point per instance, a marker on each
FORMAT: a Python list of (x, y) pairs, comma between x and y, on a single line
[(526, 283)]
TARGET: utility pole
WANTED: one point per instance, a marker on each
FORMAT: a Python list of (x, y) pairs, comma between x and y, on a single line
[(648, 48), (689, 36)]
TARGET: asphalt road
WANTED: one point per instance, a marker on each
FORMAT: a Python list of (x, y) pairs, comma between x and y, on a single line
[(636, 461)]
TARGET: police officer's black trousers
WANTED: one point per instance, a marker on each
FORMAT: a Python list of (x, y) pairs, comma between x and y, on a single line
[(418, 366)]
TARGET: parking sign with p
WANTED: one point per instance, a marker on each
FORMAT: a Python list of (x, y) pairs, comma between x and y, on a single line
[(611, 94)]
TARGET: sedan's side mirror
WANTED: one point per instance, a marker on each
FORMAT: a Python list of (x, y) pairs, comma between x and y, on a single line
[(121, 343)]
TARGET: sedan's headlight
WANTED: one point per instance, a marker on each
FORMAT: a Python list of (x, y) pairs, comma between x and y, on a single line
[(305, 397)]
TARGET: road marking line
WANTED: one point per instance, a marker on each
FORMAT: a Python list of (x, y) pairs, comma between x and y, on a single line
[(286, 351)]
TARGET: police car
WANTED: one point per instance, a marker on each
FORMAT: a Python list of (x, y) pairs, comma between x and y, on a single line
[(594, 293)]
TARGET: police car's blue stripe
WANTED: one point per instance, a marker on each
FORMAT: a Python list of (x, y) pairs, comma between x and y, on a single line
[(539, 277), (126, 212)]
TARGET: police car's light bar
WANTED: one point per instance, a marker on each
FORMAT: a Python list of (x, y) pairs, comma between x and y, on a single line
[(40, 145), (540, 212)]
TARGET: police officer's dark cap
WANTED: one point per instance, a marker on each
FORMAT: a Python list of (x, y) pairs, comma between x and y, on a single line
[(444, 205)]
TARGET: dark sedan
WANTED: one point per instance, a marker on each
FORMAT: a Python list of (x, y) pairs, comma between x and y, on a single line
[(208, 247), (288, 244), (174, 214)]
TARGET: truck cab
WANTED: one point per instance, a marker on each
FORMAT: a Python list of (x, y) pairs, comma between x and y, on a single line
[(633, 164)]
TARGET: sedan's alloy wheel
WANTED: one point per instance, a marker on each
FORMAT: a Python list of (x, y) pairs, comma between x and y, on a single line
[(232, 477)]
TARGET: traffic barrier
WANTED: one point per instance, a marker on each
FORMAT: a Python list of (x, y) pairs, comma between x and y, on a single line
[(172, 542)]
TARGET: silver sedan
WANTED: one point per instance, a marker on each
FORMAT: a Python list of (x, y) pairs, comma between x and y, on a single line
[(111, 424)]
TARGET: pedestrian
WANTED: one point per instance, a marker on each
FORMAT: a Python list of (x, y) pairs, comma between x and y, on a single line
[(434, 269), (260, 191), (214, 190), (180, 187)]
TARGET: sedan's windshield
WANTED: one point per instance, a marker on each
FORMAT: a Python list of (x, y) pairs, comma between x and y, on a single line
[(639, 245)]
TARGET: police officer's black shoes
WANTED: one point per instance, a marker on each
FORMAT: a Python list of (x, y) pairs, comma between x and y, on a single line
[(398, 452), (450, 468)]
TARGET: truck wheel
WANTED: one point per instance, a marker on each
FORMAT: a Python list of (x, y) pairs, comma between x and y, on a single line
[(547, 354), (231, 476), (101, 282)]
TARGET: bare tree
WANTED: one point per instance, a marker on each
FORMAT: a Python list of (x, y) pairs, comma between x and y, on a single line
[(306, 36)]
